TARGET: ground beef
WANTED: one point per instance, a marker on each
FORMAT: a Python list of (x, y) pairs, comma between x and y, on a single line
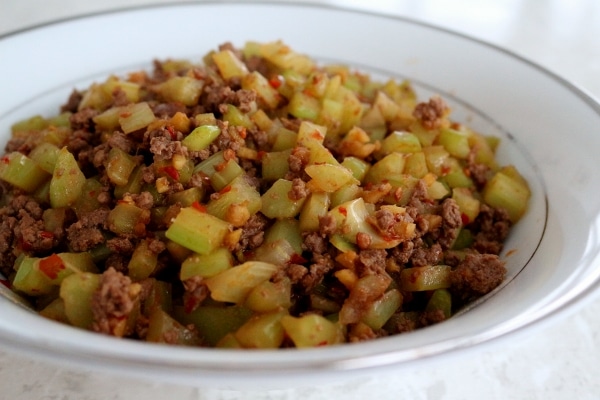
[(315, 242), (112, 302), (451, 223), (88, 231), (120, 245), (492, 227), (423, 256), (476, 275), (321, 265), (371, 262), (385, 219), (253, 232), (478, 172), (121, 141), (327, 225), (431, 113), (82, 120), (167, 110), (427, 318), (196, 292), (143, 200), (403, 252), (295, 272), (299, 190), (164, 148), (22, 229), (72, 103), (298, 159)]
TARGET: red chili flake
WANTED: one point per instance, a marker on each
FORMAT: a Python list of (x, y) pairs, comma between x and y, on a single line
[(198, 206), (323, 343), (221, 166), (47, 235), (297, 259), (275, 81), (343, 211), (5, 283), (467, 172), (172, 172), (125, 114), (225, 189), (464, 218), (172, 132), (5, 160), (51, 266), (242, 132), (445, 169), (261, 154), (316, 135)]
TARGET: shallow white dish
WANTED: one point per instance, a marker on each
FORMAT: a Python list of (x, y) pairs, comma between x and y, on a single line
[(545, 123)]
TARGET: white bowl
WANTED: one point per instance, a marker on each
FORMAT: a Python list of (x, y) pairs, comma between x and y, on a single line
[(546, 126)]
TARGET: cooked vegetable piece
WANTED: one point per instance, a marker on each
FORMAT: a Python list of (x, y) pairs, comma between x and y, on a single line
[(197, 230), (67, 180), (22, 172)]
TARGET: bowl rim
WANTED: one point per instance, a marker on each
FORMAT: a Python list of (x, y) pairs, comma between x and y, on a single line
[(369, 357)]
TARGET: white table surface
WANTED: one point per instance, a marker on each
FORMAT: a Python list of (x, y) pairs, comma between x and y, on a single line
[(558, 360)]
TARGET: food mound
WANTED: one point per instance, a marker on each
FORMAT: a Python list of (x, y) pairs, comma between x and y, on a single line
[(255, 200)]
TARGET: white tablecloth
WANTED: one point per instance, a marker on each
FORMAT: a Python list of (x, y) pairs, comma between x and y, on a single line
[(558, 360)]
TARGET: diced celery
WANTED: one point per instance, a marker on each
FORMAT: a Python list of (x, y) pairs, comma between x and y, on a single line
[(35, 123), (135, 116), (380, 311), (345, 193), (236, 203), (197, 230), (401, 142), (437, 159), (328, 178), (214, 322), (263, 331), (276, 202), (429, 277), (386, 168), (206, 265), (45, 155), (225, 173), (258, 83), (441, 299), (288, 229), (304, 106), (229, 65), (312, 330), (277, 252), (201, 137), (182, 89), (455, 142), (76, 291), (67, 180), (275, 164), (234, 284), (162, 328), (270, 296), (357, 166), (467, 203), (186, 197), (315, 206), (143, 262), (22, 172), (508, 192), (119, 166), (416, 165), (236, 117), (127, 219), (108, 120)]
